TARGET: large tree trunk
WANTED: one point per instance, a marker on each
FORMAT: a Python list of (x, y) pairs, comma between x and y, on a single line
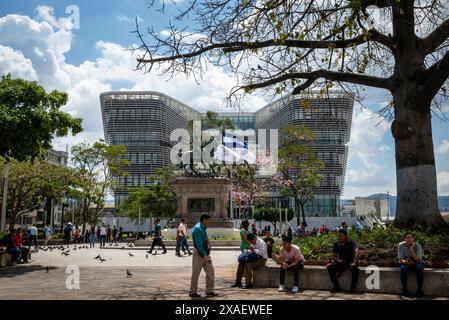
[(298, 212), (303, 212), (12, 221), (417, 202)]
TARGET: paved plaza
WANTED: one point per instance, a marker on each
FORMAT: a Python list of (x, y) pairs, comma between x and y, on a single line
[(157, 278)]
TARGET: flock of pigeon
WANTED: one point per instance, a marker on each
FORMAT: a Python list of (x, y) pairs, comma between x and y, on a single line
[(65, 251)]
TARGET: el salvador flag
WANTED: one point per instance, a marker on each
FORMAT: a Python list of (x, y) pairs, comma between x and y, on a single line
[(234, 150)]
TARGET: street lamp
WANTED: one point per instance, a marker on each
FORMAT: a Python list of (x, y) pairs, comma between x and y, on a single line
[(64, 205)]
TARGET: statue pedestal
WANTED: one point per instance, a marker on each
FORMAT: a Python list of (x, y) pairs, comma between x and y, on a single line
[(204, 195)]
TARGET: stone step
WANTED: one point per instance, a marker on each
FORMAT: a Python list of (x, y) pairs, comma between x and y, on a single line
[(436, 281)]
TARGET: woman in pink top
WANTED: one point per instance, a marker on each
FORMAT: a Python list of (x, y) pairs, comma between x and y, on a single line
[(292, 260)]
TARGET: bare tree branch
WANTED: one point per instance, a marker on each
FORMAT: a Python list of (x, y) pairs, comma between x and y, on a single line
[(437, 37), (361, 79)]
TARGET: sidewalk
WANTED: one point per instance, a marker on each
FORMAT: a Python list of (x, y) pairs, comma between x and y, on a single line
[(156, 278)]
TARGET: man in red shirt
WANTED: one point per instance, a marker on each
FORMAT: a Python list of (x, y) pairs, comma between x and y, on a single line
[(19, 244)]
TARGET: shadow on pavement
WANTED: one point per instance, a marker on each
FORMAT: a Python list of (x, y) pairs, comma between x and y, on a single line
[(18, 270)]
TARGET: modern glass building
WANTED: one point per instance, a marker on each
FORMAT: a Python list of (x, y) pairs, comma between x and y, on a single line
[(143, 121), (330, 120)]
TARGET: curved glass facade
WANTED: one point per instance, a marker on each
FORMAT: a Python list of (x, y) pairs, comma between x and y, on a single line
[(143, 121)]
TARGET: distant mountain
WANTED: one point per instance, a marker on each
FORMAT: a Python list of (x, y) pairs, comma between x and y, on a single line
[(443, 202)]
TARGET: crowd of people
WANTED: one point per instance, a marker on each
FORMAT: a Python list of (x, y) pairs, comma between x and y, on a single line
[(256, 251)]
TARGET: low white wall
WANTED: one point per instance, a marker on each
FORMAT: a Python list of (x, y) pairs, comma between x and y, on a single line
[(331, 222)]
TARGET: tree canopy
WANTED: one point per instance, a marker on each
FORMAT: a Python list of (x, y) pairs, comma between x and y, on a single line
[(31, 117), (96, 168), (31, 183), (308, 47)]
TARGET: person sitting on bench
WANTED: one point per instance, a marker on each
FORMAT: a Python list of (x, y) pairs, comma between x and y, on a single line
[(19, 244), (11, 247), (291, 259), (345, 257), (410, 259)]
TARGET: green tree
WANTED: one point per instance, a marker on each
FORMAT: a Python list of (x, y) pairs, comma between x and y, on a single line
[(97, 168), (301, 46), (30, 118), (272, 215), (212, 121), (153, 201), (157, 200), (298, 167), (31, 183)]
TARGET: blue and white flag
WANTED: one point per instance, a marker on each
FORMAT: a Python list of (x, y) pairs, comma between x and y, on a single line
[(234, 150)]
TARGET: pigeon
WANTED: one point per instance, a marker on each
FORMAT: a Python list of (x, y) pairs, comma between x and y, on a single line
[(98, 257), (74, 248), (147, 255), (47, 269), (128, 273), (130, 254), (116, 245), (65, 253), (123, 247), (102, 260)]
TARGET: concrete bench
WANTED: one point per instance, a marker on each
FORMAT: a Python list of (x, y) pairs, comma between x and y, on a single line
[(436, 281), (5, 258)]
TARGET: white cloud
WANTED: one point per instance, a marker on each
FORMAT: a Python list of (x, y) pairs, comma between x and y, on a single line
[(366, 135), (125, 19), (14, 62), (443, 182), (36, 50), (46, 13), (443, 148), (365, 174)]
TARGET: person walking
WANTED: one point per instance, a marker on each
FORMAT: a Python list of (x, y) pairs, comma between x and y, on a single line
[(108, 234), (76, 235), (201, 259), (92, 236), (157, 239), (244, 245), (68, 233), (103, 234), (47, 234), (114, 234), (33, 236), (120, 234), (182, 238)]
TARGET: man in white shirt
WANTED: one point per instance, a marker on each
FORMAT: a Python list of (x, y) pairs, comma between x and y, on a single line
[(47, 234), (182, 238), (33, 236), (259, 247), (103, 233)]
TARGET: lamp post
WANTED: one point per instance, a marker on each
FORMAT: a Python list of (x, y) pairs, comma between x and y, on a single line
[(64, 205), (5, 194)]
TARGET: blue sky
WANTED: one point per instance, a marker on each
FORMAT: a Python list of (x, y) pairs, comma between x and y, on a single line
[(35, 44)]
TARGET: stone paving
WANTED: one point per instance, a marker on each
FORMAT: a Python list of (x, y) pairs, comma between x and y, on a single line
[(156, 278)]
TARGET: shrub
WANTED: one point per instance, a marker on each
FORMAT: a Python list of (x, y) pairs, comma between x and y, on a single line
[(378, 246)]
